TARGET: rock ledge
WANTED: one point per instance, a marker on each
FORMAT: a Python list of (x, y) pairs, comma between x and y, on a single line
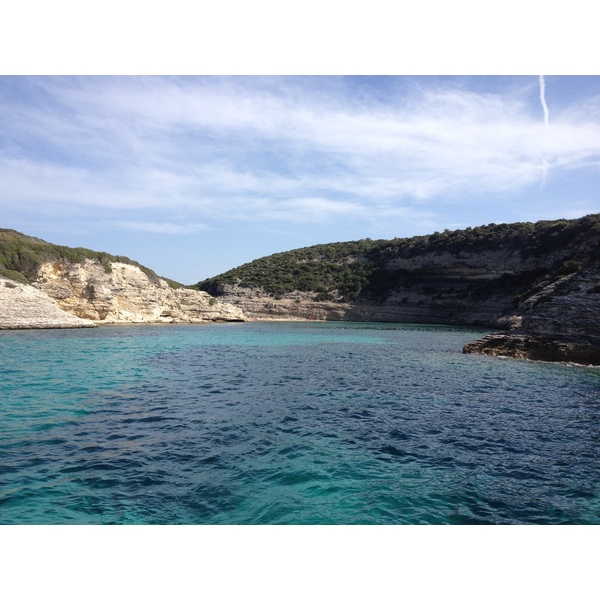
[(536, 347)]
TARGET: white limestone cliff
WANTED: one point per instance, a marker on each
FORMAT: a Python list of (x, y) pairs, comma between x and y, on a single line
[(24, 307), (83, 294), (123, 293)]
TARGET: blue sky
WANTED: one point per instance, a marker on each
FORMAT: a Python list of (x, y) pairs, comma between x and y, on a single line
[(193, 175)]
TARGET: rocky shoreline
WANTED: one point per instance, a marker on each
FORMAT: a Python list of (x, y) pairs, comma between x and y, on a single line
[(560, 322), (74, 295), (551, 327), (535, 347), (28, 307)]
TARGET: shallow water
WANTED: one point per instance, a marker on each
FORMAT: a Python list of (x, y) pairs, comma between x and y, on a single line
[(291, 423)]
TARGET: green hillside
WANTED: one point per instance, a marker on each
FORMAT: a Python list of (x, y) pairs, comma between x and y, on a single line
[(21, 256), (360, 270)]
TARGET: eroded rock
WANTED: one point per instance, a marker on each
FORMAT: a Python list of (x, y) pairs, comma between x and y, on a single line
[(24, 307), (123, 293)]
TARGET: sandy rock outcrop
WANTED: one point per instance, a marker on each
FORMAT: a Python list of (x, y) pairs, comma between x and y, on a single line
[(24, 307), (123, 293), (257, 305)]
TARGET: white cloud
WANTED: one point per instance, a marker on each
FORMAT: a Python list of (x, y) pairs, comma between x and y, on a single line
[(314, 210), (168, 228), (234, 149)]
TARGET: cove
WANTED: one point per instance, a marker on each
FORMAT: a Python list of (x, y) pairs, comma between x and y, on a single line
[(291, 423)]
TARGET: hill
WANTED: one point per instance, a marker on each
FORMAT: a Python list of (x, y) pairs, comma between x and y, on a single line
[(540, 278), (22, 255), (370, 270)]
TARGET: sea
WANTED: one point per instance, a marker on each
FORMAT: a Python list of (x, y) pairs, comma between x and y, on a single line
[(291, 423)]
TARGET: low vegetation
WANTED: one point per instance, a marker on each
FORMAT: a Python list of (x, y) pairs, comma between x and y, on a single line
[(21, 257), (349, 271)]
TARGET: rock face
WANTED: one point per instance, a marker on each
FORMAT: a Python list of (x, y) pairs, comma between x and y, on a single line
[(256, 305), (418, 305), (560, 322), (447, 288), (123, 293), (24, 307)]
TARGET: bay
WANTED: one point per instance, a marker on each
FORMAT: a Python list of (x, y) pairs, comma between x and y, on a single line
[(291, 423)]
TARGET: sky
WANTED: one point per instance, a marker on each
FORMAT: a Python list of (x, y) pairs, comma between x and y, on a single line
[(194, 175)]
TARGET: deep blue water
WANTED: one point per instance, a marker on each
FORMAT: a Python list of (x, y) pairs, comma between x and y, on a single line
[(300, 423)]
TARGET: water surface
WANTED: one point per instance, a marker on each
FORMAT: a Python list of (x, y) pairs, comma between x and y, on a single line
[(291, 423)]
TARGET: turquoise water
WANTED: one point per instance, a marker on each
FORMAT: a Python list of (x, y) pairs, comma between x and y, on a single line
[(299, 423)]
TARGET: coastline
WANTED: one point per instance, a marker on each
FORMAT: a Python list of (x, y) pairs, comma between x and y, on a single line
[(509, 345)]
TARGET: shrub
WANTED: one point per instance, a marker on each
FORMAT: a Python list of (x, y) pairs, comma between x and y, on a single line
[(570, 266)]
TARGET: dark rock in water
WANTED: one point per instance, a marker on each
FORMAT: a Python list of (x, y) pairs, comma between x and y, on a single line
[(535, 347), (560, 322)]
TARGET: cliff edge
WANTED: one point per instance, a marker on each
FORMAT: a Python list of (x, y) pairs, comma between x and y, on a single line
[(559, 322)]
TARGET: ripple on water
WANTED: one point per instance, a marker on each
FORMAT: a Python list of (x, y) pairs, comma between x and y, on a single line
[(291, 423)]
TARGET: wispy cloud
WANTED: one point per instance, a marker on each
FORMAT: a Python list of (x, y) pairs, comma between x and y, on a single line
[(272, 149), (168, 228)]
